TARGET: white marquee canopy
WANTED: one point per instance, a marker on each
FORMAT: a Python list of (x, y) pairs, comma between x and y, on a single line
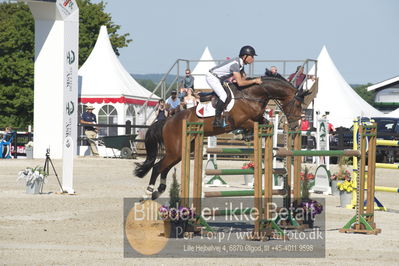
[(103, 79), (201, 69), (336, 96)]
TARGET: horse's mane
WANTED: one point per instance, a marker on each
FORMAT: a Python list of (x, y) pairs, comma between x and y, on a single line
[(284, 81), (265, 79)]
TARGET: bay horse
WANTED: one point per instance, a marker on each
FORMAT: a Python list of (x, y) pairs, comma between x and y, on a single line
[(249, 107)]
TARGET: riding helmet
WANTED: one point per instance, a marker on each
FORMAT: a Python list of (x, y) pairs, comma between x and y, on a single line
[(247, 50)]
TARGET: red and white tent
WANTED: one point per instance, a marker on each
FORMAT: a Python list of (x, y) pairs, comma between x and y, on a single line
[(104, 81)]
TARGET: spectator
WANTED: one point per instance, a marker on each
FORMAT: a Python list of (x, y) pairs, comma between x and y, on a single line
[(299, 77), (173, 103), (304, 127), (162, 113), (190, 100), (182, 93), (225, 71), (8, 130), (331, 128), (273, 73), (5, 143), (90, 119), (197, 97), (304, 123), (188, 80)]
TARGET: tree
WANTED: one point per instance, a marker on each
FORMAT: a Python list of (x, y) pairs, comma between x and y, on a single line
[(368, 96), (16, 65), (17, 54), (149, 85)]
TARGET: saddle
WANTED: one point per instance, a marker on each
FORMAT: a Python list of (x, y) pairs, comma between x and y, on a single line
[(213, 98)]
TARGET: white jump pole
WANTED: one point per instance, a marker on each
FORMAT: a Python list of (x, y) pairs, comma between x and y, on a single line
[(56, 81), (275, 135)]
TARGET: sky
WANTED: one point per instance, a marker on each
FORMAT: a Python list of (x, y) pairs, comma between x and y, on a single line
[(361, 36)]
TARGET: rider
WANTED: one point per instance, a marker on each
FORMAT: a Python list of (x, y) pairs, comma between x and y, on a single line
[(230, 68)]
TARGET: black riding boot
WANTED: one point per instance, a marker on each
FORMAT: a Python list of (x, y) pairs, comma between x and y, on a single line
[(218, 114)]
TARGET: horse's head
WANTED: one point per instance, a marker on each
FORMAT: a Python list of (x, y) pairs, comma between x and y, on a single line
[(288, 98), (293, 108)]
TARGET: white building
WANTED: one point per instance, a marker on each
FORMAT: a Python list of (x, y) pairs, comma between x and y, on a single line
[(386, 94)]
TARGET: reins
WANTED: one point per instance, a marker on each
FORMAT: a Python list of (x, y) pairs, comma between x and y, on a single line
[(289, 106)]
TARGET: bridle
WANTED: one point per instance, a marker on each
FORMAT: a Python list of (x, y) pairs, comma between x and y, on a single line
[(290, 106)]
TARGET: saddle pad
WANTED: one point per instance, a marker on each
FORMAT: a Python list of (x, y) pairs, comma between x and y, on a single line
[(205, 109)]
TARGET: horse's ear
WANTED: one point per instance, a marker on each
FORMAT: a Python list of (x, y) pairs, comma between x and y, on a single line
[(301, 94), (306, 93)]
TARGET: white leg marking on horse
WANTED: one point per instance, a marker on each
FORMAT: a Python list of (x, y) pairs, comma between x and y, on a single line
[(149, 189)]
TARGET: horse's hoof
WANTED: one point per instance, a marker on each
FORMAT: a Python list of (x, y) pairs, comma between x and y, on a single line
[(161, 188), (155, 195), (249, 137), (144, 198)]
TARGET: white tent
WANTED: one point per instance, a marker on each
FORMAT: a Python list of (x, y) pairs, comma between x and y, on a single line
[(103, 81), (114, 93), (201, 69), (336, 96), (394, 113)]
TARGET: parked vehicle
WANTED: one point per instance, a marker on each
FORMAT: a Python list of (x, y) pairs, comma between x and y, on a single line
[(388, 129)]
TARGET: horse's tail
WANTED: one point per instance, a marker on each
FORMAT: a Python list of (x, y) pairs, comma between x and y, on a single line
[(153, 142)]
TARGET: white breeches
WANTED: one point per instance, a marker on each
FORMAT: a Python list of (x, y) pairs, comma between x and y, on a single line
[(216, 86)]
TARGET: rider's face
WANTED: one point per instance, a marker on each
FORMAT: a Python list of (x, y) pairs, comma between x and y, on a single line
[(249, 59)]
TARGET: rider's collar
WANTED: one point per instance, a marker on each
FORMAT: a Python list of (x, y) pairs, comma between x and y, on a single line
[(241, 61)]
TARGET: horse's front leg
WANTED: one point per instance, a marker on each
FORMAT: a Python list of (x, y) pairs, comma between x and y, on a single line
[(248, 130), (248, 125)]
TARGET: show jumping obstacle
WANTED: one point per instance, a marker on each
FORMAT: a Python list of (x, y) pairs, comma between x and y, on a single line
[(264, 225), (361, 222), (379, 142), (286, 192)]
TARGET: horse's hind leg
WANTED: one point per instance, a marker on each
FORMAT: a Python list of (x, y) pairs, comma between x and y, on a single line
[(171, 158), (168, 163), (162, 167), (164, 173), (153, 179), (162, 185)]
